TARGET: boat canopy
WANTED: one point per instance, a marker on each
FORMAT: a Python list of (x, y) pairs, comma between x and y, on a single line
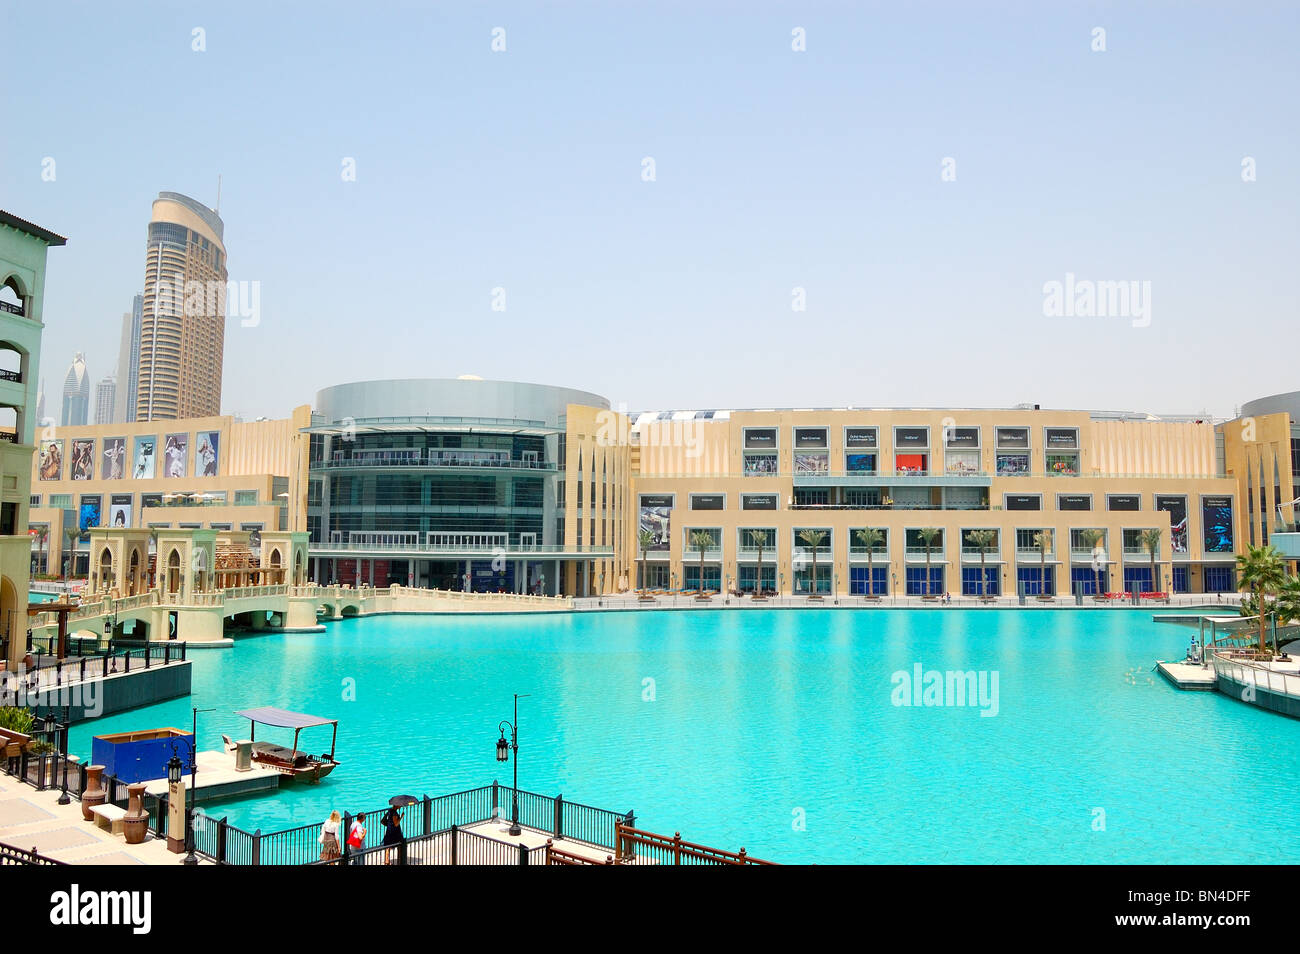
[(283, 718)]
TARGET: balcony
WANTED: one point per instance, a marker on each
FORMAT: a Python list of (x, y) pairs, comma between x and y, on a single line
[(918, 553), (972, 554), (415, 458), (877, 553), (1287, 543), (900, 478)]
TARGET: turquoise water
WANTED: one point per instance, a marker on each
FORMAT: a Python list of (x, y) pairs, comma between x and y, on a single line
[(761, 717)]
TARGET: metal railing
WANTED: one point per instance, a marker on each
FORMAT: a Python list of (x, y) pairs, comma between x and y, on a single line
[(49, 672), (420, 821), (9, 855)]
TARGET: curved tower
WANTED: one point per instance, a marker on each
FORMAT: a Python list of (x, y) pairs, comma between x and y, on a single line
[(183, 320)]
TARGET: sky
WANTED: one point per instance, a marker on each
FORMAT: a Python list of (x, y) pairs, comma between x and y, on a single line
[(871, 220)]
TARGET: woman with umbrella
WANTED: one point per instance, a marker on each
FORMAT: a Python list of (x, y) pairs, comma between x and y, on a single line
[(392, 822)]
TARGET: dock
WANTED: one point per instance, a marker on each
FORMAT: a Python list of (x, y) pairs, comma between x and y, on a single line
[(1189, 676), (218, 779)]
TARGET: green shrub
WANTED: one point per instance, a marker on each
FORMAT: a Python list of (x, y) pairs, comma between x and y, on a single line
[(16, 719)]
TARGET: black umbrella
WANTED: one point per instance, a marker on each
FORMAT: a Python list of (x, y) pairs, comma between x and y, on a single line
[(401, 801)]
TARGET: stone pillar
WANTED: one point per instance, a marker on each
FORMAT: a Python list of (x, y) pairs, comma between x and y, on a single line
[(176, 817)]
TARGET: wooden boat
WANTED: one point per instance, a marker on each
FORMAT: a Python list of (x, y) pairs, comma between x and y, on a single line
[(293, 764)]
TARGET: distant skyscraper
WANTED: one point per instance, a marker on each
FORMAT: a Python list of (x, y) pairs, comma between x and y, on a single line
[(106, 400), (183, 322), (76, 393), (128, 363)]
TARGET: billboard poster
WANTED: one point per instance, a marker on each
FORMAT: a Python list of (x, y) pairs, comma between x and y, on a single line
[(860, 463), (760, 464), (82, 462), (207, 449), (51, 460), (90, 512), (145, 448), (119, 510), (114, 466), (175, 454), (1176, 506), (858, 437), (656, 518), (810, 437), (1216, 524), (811, 463)]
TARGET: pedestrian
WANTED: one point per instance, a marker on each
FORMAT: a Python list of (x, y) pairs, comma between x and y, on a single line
[(329, 837), (357, 833), (392, 822)]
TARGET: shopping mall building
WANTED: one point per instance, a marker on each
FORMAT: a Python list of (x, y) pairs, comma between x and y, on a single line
[(530, 488)]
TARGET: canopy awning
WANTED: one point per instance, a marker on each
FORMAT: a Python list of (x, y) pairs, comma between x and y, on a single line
[(283, 718)]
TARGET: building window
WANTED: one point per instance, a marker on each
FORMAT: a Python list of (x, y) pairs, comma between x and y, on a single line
[(1219, 579), (1036, 580), (34, 500), (758, 501), (1023, 501), (869, 581), (1127, 502), (980, 581), (61, 501), (1074, 501), (749, 577), (916, 581), (1181, 578), (245, 498)]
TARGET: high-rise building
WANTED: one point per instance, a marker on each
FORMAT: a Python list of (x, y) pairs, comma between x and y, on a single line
[(76, 393), (106, 400), (182, 328), (23, 248), (128, 362)]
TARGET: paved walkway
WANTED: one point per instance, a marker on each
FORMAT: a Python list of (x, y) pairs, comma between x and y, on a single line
[(31, 819)]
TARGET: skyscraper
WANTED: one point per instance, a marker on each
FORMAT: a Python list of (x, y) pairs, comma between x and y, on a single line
[(183, 320), (128, 363), (106, 400), (76, 393)]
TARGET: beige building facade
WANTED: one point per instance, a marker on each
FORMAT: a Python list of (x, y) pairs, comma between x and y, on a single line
[(212, 473), (712, 489)]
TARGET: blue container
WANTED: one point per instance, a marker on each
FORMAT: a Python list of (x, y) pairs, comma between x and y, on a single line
[(141, 756)]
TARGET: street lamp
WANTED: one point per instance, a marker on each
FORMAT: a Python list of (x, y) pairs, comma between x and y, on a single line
[(503, 755)]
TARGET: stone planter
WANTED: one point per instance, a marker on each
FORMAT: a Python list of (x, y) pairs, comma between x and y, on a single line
[(135, 824), (94, 793)]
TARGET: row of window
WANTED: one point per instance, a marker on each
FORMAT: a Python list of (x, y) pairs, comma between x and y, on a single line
[(920, 581), (1035, 540), (209, 498), (856, 438), (1175, 504)]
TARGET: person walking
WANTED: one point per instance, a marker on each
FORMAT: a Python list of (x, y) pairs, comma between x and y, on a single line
[(329, 837), (392, 822), (357, 835)]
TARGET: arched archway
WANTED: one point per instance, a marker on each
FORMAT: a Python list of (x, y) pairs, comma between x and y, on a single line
[(174, 572), (200, 571), (12, 626), (105, 569), (298, 568), (133, 579), (277, 567)]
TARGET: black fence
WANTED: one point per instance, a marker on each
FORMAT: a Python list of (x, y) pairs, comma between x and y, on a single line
[(49, 672), (423, 823), (9, 855)]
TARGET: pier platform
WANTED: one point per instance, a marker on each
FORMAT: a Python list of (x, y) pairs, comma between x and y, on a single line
[(1183, 675), (218, 779)]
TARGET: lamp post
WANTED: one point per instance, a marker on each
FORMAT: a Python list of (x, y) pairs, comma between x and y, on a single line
[(504, 749)]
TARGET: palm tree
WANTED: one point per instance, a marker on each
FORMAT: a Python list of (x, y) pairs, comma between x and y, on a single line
[(42, 536), (985, 540), (758, 540), (928, 535), (1262, 571), (1092, 539), (870, 539), (73, 534), (1043, 541), (701, 540), (1150, 540), (1287, 606), (813, 539), (646, 538)]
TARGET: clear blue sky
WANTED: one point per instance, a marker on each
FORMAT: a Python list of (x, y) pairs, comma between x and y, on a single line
[(775, 169)]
